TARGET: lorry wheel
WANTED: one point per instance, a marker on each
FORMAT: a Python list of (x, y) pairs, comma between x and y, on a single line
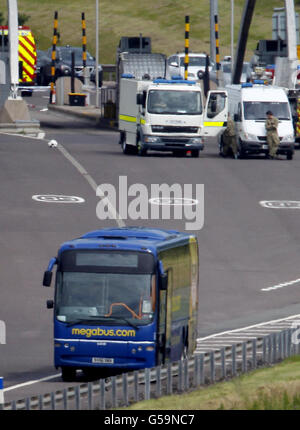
[(195, 153), (289, 156), (140, 150), (126, 148), (68, 374)]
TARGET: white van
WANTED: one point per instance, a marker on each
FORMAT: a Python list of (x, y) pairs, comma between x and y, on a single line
[(247, 105)]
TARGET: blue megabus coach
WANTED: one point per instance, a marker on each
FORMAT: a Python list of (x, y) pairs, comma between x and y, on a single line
[(125, 299)]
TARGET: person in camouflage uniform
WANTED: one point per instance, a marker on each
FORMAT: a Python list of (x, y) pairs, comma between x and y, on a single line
[(229, 138), (272, 134)]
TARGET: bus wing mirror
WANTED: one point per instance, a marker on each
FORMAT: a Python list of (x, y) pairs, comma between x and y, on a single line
[(48, 273), (163, 277), (50, 304), (47, 278)]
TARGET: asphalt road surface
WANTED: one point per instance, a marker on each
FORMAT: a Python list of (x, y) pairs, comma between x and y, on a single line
[(249, 254)]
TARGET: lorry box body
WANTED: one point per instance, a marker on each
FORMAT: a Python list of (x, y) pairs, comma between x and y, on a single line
[(248, 104)]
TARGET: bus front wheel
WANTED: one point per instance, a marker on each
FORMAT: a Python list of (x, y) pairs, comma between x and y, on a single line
[(68, 374)]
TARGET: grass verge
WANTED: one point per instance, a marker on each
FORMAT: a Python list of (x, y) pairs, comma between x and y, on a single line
[(272, 388)]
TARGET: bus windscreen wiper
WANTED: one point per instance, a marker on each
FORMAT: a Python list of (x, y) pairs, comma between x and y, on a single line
[(100, 319)]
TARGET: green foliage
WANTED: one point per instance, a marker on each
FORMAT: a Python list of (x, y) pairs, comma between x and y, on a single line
[(162, 20), (23, 18)]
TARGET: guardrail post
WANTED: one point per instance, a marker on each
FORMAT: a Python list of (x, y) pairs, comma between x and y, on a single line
[(264, 350), (77, 397), (244, 357), (53, 405), (158, 381), (274, 345), (169, 378), (90, 396), (196, 370), (269, 349), (41, 405), (186, 374), (125, 388), (65, 399), (136, 385), (180, 377), (202, 374), (102, 394), (114, 391), (280, 345), (223, 364), (212, 367), (147, 383), (27, 403), (290, 346), (287, 343), (233, 360), (254, 356)]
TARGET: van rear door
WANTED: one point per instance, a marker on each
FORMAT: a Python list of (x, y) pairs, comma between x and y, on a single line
[(216, 113)]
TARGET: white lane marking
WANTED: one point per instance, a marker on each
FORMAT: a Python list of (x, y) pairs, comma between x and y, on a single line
[(280, 204), (237, 330), (24, 384), (284, 284), (92, 183)]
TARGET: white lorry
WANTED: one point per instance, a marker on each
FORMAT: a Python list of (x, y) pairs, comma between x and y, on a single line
[(247, 105), (167, 115)]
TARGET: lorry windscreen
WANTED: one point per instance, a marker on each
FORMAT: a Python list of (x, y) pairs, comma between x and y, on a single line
[(256, 110), (172, 102)]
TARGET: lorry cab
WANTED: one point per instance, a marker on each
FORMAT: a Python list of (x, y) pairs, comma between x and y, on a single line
[(168, 115)]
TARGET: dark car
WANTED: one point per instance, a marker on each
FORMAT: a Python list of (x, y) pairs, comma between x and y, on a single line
[(63, 63), (100, 75)]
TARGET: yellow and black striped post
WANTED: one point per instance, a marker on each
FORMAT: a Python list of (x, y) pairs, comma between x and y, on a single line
[(83, 40), (186, 46), (53, 58), (217, 47)]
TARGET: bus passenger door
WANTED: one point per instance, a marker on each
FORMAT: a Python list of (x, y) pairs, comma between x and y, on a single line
[(164, 324), (216, 113)]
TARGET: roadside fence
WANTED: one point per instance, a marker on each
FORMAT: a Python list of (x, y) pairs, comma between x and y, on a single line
[(173, 378)]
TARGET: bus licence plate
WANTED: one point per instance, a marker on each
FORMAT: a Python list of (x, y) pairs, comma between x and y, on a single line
[(101, 360)]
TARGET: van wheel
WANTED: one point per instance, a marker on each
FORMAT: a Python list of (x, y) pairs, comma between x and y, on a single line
[(241, 154), (289, 156), (68, 374), (195, 153)]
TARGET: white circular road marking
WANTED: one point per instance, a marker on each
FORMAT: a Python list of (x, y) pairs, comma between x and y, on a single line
[(56, 198), (170, 201), (280, 204)]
